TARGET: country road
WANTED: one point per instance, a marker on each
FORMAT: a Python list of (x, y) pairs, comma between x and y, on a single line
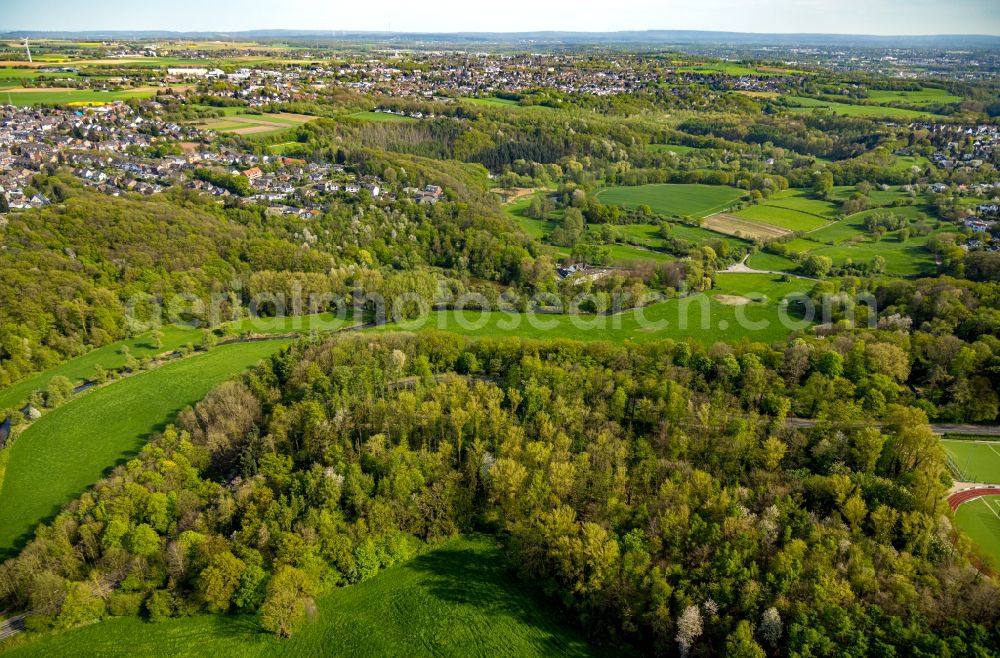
[(12, 626), (938, 428)]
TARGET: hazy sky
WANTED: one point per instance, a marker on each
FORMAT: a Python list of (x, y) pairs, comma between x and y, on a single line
[(829, 16)]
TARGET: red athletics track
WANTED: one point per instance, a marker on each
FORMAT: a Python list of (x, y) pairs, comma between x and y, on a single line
[(965, 495)]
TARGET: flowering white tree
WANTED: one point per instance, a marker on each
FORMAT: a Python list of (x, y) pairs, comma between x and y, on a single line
[(770, 627), (689, 628)]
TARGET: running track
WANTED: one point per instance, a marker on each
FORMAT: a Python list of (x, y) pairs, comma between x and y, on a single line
[(965, 495)]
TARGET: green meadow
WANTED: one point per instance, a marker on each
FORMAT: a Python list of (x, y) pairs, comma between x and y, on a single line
[(673, 199), (69, 448), (700, 316), (804, 104), (379, 116), (457, 599), (83, 96)]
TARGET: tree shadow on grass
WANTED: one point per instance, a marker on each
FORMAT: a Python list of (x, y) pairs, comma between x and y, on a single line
[(475, 573)]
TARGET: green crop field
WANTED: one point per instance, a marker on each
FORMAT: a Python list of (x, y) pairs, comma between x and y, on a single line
[(974, 461), (491, 101), (700, 316), (454, 600), (12, 73), (793, 220), (675, 200), (65, 451), (82, 96), (925, 96), (980, 520)]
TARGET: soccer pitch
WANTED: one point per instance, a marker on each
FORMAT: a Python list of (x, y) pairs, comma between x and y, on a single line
[(974, 461)]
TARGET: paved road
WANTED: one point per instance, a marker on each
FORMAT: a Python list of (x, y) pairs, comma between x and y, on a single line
[(938, 428), (11, 626)]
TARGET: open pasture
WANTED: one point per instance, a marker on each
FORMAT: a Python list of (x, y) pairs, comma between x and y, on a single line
[(805, 104), (677, 200)]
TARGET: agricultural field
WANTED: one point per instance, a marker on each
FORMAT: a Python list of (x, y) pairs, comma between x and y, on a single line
[(456, 599), (743, 228), (492, 101), (15, 74), (741, 305), (648, 235), (257, 125), (676, 200), (69, 448), (926, 96), (23, 97), (786, 218)]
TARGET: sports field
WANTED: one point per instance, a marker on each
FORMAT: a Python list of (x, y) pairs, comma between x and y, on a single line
[(974, 461), (673, 200), (68, 449), (980, 519), (455, 600)]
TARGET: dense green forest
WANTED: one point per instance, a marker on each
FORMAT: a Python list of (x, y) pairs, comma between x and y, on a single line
[(654, 492)]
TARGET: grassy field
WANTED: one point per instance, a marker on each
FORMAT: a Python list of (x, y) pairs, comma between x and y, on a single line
[(762, 260), (379, 116), (926, 96), (68, 449), (455, 600), (679, 149), (648, 234), (674, 200), (491, 101), (701, 316), (980, 520), (787, 218), (975, 461), (804, 104), (82, 96), (110, 356)]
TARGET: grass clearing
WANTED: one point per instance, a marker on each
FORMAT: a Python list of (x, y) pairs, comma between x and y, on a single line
[(68, 449), (804, 104), (676, 200), (454, 600), (698, 316), (379, 116)]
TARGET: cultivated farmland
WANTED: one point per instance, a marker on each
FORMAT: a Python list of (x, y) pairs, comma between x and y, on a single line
[(673, 200)]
